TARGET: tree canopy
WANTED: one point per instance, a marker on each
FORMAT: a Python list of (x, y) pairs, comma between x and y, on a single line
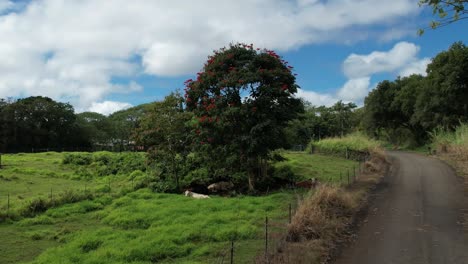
[(410, 107), (242, 100)]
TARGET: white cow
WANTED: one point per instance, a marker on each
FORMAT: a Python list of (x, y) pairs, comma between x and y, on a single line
[(195, 195)]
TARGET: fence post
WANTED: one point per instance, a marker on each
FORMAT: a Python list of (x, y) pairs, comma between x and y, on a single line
[(8, 205), (289, 212), (232, 251), (341, 178), (347, 155), (266, 239), (348, 176), (354, 173)]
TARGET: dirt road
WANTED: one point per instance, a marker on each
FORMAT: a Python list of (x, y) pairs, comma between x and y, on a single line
[(416, 218)]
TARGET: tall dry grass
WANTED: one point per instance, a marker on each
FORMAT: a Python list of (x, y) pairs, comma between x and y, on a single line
[(452, 142)]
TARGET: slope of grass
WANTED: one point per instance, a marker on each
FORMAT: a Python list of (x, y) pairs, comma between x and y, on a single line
[(324, 168), (147, 227), (349, 146), (25, 177)]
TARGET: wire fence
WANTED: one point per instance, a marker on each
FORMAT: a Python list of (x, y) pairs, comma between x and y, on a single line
[(27, 204), (275, 231)]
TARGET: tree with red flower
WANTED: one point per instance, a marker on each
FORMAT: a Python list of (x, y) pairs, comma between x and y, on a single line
[(243, 98)]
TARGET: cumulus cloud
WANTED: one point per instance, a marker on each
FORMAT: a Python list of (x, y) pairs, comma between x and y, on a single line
[(354, 90), (402, 60), (71, 50), (5, 5), (400, 55), (108, 107), (415, 67), (317, 98), (396, 34)]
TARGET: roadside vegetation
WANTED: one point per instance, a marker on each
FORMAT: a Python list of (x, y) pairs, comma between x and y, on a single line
[(353, 146), (452, 146)]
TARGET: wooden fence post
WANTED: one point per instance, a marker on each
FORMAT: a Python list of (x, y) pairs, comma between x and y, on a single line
[(354, 173), (289, 212), (8, 205), (232, 251), (266, 239), (348, 176)]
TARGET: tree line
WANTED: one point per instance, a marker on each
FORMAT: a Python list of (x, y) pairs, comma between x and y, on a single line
[(39, 123), (405, 111)]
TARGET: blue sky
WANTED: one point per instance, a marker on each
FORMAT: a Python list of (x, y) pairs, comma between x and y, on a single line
[(107, 55)]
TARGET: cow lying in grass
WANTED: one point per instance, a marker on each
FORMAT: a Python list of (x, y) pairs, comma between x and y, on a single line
[(195, 195), (308, 184), (220, 187)]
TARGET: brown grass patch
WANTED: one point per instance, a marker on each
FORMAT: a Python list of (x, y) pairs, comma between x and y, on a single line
[(324, 221)]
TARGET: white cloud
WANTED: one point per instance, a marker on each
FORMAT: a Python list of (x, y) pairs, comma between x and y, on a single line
[(71, 50), (317, 98), (354, 90), (400, 55), (5, 5), (108, 107), (416, 67), (402, 59), (396, 34)]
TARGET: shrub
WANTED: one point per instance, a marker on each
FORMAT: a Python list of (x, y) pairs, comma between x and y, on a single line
[(77, 159)]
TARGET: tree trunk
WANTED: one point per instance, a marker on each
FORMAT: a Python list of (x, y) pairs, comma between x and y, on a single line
[(251, 180)]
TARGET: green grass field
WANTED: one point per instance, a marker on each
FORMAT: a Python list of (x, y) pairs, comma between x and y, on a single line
[(324, 168), (139, 226)]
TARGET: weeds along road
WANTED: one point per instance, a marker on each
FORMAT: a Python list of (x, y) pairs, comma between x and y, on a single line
[(416, 218)]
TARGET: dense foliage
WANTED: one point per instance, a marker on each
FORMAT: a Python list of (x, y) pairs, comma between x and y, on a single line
[(242, 100), (405, 110), (40, 124), (37, 122), (319, 122)]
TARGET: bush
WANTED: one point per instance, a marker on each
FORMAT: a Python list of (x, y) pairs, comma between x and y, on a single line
[(77, 159), (41, 205), (105, 163)]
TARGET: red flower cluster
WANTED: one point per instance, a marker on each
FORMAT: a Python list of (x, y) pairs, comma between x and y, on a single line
[(205, 118), (284, 87), (272, 53)]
